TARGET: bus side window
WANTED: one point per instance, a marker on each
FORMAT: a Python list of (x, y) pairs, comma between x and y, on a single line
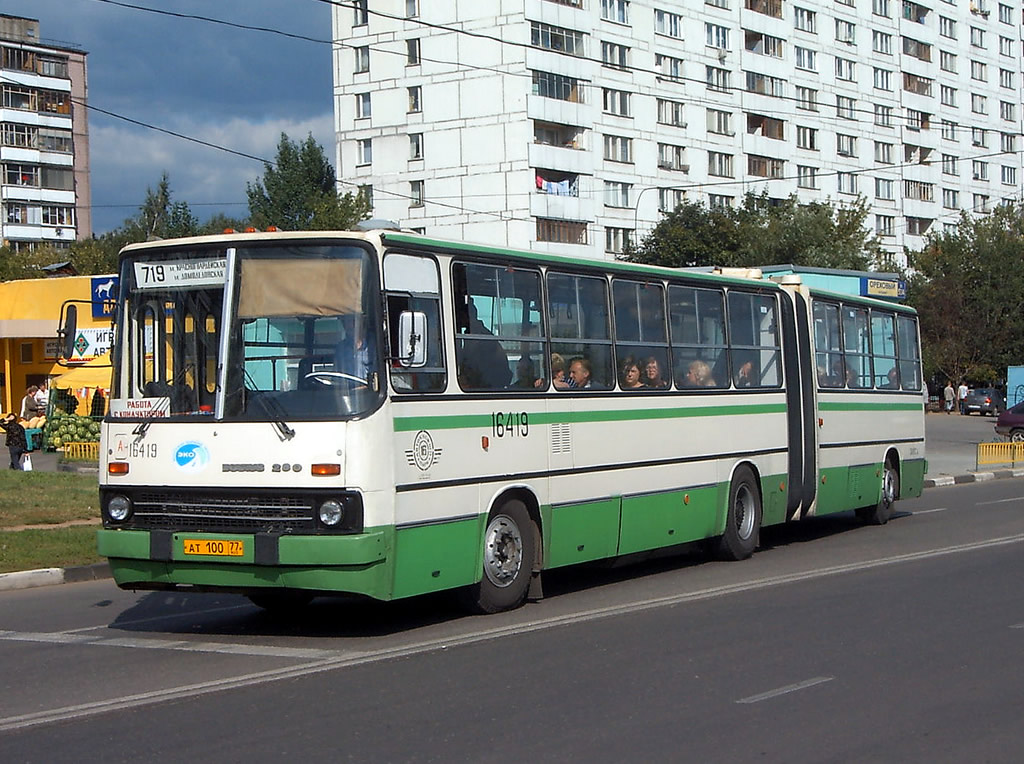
[(413, 283), (581, 328)]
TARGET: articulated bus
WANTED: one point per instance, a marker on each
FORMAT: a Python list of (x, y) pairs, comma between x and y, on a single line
[(385, 414)]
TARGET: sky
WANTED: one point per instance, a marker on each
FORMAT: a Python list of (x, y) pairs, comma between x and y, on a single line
[(231, 87)]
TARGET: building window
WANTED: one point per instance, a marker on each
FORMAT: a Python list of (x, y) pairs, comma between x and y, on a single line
[(412, 52), (979, 170), (412, 8), (561, 231), (554, 134), (845, 69), (947, 95), (669, 67), (769, 127), (981, 203), (765, 85), (914, 12), (767, 7), (885, 225), (415, 99), (618, 148), (26, 352), (616, 193), (670, 198), (614, 55), (979, 137), (947, 61), (416, 193), (362, 55), (806, 138), (671, 113), (806, 98), (717, 36), (846, 145), (720, 164), (58, 216), (718, 79), (884, 188), (806, 58), (415, 146), (1005, 46), (977, 37), (669, 24), (615, 101), (979, 71), (615, 10), (720, 122), (883, 152), (806, 177), (1005, 14), (915, 84), (360, 13), (558, 39), (948, 129), (764, 167), (720, 202), (617, 240), (883, 115), (949, 165), (366, 192), (16, 213), (883, 79), (364, 151), (1006, 79), (919, 50), (881, 43), (919, 190), (847, 182), (881, 8), (805, 20), (671, 157), (1007, 143), (763, 44), (846, 108), (1008, 175), (557, 86), (1007, 111), (846, 32), (950, 198), (979, 104), (362, 105), (947, 27), (918, 120), (718, 3), (918, 226)]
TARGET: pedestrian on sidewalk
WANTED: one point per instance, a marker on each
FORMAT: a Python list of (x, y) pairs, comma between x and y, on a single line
[(961, 395), (15, 441), (949, 395)]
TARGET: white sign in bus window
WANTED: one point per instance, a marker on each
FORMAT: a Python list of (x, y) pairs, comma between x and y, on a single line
[(180, 274), (154, 408)]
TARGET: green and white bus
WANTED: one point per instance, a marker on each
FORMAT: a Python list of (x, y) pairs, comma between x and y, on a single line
[(385, 414)]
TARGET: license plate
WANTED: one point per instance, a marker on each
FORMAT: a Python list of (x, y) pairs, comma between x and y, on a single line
[(214, 547)]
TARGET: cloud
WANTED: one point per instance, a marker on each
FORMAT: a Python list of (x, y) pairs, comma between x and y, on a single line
[(211, 181)]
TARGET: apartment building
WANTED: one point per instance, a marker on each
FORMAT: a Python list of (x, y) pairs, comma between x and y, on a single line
[(571, 126), (44, 139)]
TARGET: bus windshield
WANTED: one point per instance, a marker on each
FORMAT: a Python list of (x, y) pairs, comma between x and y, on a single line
[(299, 338)]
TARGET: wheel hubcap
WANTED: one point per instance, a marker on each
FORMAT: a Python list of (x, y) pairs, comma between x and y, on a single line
[(889, 487), (743, 510), (503, 551)]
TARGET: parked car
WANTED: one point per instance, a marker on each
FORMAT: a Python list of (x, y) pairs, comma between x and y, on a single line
[(985, 400), (1011, 423)]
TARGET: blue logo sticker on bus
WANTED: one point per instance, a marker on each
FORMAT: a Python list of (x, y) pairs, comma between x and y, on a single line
[(191, 456)]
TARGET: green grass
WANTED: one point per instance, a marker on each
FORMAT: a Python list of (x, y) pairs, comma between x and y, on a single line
[(50, 548), (44, 498), (47, 498)]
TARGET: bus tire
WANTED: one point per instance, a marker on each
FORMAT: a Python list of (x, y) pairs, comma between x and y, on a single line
[(743, 518), (509, 549), (280, 601), (880, 513)]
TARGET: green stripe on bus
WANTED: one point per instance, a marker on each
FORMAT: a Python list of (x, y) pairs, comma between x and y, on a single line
[(466, 421), (869, 406)]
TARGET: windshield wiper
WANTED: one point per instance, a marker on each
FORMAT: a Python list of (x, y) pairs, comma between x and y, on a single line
[(270, 407)]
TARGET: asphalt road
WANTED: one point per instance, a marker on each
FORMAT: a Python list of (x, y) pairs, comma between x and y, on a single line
[(835, 642)]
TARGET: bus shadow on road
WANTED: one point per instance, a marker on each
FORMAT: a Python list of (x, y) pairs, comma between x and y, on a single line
[(350, 617)]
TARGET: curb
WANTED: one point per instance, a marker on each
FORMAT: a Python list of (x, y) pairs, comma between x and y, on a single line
[(29, 579)]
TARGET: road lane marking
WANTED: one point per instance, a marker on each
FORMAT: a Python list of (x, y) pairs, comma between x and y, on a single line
[(364, 657), (151, 619), (1018, 626), (929, 511), (787, 689), (997, 501)]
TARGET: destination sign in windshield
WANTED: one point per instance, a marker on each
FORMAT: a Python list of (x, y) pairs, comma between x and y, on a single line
[(180, 274)]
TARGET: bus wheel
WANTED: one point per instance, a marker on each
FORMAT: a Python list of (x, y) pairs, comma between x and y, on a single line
[(509, 552), (280, 601), (880, 513), (743, 521)]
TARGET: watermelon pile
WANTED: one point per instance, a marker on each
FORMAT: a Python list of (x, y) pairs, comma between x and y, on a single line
[(62, 428)]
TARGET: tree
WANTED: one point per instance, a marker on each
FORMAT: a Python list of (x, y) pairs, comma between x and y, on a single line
[(298, 192), (762, 231), (161, 218), (968, 286)]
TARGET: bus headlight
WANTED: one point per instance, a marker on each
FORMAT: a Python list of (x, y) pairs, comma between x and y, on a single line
[(119, 508), (331, 513)]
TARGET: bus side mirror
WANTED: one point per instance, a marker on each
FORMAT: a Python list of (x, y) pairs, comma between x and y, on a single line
[(68, 332), (412, 330)]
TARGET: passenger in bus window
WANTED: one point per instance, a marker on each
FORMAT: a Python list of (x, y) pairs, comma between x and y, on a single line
[(484, 362), (629, 375), (652, 374), (699, 375), (892, 379), (558, 378), (745, 374), (580, 371), (852, 380), (526, 375)]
